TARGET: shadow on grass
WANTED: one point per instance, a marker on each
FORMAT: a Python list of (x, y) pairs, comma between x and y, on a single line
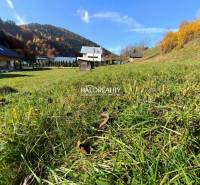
[(10, 75), (7, 90), (36, 69)]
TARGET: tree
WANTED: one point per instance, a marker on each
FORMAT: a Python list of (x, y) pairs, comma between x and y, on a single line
[(19, 37), (169, 43), (51, 53), (187, 32)]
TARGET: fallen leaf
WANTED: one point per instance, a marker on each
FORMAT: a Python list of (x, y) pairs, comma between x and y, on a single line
[(105, 117)]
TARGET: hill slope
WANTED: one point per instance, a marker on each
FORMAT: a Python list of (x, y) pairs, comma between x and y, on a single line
[(47, 39), (190, 52)]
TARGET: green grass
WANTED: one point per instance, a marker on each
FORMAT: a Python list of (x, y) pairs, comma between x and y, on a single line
[(153, 135), (35, 80)]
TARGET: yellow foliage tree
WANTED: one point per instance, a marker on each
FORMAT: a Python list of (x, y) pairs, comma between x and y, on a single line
[(188, 31), (169, 42)]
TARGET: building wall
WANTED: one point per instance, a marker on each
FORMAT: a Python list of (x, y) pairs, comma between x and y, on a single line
[(3, 64), (9, 65), (91, 57), (84, 66)]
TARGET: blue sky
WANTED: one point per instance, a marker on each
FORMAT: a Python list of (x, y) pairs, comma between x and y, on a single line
[(111, 23)]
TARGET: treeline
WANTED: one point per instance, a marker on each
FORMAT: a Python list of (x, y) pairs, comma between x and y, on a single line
[(187, 32), (35, 64)]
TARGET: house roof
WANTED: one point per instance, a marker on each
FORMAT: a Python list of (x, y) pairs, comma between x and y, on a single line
[(137, 55), (64, 59), (41, 58), (93, 50), (5, 52)]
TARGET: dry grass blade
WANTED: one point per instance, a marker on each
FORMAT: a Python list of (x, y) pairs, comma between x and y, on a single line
[(172, 130), (28, 180)]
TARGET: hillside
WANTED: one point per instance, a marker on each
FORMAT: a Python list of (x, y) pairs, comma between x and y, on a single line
[(48, 40), (189, 52), (10, 41), (182, 45)]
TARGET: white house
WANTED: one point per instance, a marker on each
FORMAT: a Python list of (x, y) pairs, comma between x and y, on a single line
[(93, 54)]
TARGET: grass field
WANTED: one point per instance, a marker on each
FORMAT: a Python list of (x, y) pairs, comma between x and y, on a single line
[(152, 137), (34, 80)]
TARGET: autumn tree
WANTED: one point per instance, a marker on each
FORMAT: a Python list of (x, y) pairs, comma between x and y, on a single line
[(169, 42), (51, 53), (187, 32)]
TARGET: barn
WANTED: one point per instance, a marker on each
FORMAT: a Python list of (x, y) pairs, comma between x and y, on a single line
[(9, 60)]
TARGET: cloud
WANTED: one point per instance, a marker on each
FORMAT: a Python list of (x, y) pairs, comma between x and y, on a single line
[(117, 17), (130, 22), (152, 30), (10, 4), (20, 20), (84, 15), (109, 15), (198, 13)]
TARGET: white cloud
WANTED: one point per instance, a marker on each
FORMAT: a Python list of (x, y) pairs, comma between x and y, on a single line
[(117, 17), (20, 20), (10, 4), (84, 15), (111, 16), (130, 22), (198, 13), (152, 30)]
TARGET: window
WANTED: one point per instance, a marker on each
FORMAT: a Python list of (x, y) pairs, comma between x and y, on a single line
[(92, 57)]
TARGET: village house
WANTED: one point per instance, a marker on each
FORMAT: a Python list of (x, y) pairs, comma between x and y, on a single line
[(9, 60), (92, 56), (137, 53)]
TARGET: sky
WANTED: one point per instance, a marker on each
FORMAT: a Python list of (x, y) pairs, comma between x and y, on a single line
[(113, 24)]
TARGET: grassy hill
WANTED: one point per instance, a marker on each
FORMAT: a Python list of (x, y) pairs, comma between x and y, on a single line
[(190, 52), (153, 132), (46, 40)]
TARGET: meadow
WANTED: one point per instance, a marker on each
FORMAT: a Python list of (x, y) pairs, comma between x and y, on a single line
[(152, 136)]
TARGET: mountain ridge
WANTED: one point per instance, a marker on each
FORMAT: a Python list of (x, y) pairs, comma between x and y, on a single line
[(47, 40)]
